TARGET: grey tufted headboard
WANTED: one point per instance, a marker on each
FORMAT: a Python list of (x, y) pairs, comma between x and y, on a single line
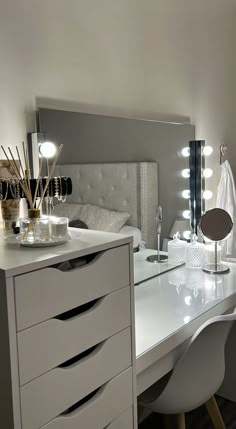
[(130, 187)]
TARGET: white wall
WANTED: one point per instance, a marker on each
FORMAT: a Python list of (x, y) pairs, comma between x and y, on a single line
[(159, 59)]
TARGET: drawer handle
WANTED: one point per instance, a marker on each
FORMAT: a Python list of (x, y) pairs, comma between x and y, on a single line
[(86, 401), (77, 263), (74, 312), (78, 359)]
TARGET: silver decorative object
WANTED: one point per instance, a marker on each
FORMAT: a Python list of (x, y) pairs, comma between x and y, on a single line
[(158, 258)]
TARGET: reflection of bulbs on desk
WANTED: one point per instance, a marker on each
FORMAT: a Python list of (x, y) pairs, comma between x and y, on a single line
[(187, 319)]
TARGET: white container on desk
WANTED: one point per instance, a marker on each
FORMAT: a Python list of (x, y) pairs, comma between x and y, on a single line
[(195, 253), (176, 250)]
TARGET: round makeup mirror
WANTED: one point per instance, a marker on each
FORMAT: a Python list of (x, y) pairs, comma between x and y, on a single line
[(216, 224)]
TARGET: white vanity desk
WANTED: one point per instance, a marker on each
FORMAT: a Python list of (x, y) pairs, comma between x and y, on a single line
[(169, 309), (67, 335)]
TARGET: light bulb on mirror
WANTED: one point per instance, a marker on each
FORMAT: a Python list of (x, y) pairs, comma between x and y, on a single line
[(185, 152), (207, 172), (207, 195), (186, 214), (47, 150), (186, 194), (207, 150), (186, 173), (187, 235)]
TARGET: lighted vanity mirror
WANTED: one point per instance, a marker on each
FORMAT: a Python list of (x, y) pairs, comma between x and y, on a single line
[(95, 139), (216, 224)]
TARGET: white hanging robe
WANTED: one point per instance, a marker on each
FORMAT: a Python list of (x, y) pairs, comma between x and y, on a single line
[(226, 199)]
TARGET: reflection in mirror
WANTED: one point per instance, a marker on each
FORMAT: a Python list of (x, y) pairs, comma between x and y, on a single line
[(97, 139), (216, 225)]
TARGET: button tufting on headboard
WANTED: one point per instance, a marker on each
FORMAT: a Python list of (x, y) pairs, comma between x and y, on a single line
[(130, 187)]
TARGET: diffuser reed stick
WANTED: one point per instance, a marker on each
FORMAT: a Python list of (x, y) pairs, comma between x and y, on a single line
[(23, 174), (38, 180), (18, 176), (50, 174)]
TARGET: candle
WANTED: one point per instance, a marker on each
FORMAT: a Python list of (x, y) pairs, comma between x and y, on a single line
[(59, 227)]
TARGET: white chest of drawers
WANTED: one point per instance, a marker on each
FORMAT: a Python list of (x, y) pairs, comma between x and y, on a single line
[(67, 340)]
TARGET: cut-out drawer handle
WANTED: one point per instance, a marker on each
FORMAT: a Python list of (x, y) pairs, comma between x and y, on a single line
[(85, 402), (78, 263), (79, 359), (79, 311)]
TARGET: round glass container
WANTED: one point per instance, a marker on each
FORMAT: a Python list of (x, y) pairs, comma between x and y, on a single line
[(195, 253), (34, 228), (176, 250), (59, 227)]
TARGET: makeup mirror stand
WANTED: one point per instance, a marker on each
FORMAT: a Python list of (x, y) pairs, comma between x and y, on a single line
[(216, 268), (216, 224)]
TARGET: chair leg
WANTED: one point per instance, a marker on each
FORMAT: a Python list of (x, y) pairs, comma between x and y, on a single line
[(174, 421), (140, 413), (180, 421), (168, 420), (215, 414)]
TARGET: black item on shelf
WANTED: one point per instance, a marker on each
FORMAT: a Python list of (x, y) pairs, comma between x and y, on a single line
[(64, 183)]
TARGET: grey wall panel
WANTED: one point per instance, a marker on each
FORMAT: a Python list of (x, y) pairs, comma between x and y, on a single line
[(94, 138)]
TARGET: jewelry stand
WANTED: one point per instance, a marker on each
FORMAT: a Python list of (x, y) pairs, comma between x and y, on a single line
[(216, 268), (156, 259)]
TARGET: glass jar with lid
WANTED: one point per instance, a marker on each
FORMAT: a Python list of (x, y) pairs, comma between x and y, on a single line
[(177, 250), (195, 253)]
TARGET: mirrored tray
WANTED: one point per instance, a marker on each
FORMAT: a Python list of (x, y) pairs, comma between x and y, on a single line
[(13, 239), (144, 270)]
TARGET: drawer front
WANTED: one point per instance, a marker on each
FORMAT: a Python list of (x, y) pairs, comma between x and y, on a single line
[(55, 341), (41, 295), (109, 402), (64, 386), (125, 421)]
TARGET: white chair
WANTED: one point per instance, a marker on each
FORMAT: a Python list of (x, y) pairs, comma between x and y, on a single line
[(197, 375)]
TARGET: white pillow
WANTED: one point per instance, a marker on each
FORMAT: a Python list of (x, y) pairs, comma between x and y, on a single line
[(101, 219), (72, 211)]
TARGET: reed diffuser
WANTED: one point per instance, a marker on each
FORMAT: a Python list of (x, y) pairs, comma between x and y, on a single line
[(35, 228)]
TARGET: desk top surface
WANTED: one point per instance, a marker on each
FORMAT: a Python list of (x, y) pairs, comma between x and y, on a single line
[(169, 303), (15, 259)]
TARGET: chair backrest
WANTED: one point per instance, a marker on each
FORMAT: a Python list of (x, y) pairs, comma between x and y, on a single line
[(199, 372)]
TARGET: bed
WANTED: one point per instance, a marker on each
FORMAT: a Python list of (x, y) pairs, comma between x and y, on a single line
[(121, 187)]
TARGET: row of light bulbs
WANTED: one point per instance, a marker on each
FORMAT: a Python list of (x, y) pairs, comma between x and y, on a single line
[(206, 173), (206, 150), (206, 195)]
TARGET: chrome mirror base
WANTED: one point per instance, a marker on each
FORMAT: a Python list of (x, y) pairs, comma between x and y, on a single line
[(216, 269), (156, 259)]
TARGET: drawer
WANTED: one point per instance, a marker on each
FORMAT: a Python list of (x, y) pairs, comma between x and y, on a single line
[(57, 340), (109, 401), (41, 295), (125, 421), (64, 386)]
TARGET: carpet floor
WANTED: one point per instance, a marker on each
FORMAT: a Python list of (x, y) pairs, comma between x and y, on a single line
[(198, 419)]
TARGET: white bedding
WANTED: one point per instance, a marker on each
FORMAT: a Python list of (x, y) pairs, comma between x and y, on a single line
[(132, 231)]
